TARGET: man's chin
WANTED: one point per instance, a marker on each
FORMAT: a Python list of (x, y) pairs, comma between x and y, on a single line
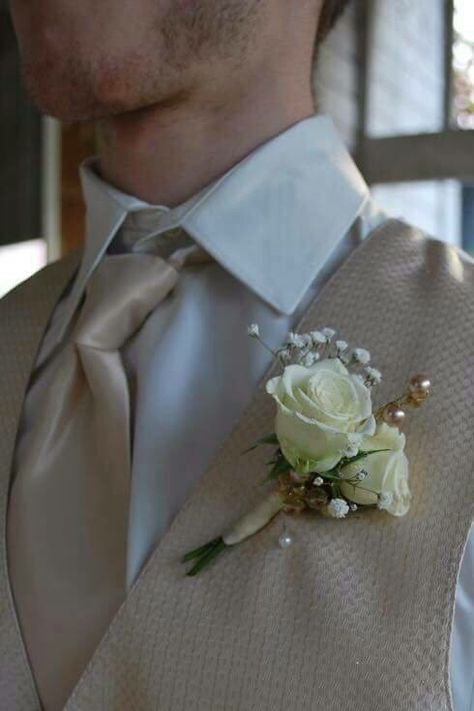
[(70, 94), (65, 108), (64, 98)]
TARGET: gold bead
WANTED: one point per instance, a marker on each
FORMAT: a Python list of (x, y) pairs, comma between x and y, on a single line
[(419, 387), (316, 498), (294, 508), (393, 414)]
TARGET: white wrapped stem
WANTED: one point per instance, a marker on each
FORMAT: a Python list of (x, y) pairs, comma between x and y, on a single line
[(254, 521)]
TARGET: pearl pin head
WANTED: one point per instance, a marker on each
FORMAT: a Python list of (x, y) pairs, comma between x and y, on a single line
[(393, 414), (285, 540), (419, 388)]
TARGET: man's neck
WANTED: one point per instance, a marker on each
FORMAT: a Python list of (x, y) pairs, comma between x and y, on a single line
[(165, 154)]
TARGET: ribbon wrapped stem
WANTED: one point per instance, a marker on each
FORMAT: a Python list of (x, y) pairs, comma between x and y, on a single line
[(249, 524)]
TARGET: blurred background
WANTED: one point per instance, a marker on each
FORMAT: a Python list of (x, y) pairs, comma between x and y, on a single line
[(396, 76)]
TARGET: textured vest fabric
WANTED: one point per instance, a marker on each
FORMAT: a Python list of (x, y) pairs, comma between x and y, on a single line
[(355, 614)]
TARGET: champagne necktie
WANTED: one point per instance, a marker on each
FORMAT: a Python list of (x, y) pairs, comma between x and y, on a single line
[(67, 541)]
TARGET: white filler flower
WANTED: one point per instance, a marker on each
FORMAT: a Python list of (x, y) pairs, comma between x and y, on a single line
[(361, 356), (253, 330), (385, 500), (338, 508), (318, 338)]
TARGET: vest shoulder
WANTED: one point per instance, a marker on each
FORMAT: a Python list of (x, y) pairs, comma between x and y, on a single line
[(49, 280), (419, 253)]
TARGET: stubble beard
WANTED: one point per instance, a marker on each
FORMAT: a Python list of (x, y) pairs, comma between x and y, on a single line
[(186, 43)]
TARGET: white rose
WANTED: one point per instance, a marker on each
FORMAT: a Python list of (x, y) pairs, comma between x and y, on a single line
[(387, 472), (322, 410)]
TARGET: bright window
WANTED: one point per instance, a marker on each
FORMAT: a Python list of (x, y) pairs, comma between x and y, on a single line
[(20, 261)]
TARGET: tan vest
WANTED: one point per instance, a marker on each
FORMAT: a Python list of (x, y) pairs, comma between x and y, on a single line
[(355, 614)]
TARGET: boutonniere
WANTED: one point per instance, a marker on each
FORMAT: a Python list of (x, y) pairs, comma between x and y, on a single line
[(334, 453)]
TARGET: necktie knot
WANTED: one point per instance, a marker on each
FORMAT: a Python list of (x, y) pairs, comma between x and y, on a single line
[(121, 293)]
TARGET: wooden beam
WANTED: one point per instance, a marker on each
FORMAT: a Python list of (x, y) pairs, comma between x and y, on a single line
[(448, 62), (20, 147), (364, 11), (77, 143), (427, 156)]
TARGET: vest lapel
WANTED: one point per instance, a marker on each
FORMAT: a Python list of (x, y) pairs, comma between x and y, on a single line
[(356, 614), (24, 315)]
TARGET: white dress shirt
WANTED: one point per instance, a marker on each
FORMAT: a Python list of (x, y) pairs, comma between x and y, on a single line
[(277, 225)]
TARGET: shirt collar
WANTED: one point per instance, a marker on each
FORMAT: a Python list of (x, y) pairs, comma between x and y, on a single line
[(272, 220), (275, 218)]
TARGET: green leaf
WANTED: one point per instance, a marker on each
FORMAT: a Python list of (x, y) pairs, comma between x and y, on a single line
[(268, 439), (280, 467), (361, 455), (330, 476)]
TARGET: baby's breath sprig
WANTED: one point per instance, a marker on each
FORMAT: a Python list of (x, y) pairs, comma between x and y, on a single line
[(372, 376), (306, 349), (360, 356), (254, 332)]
